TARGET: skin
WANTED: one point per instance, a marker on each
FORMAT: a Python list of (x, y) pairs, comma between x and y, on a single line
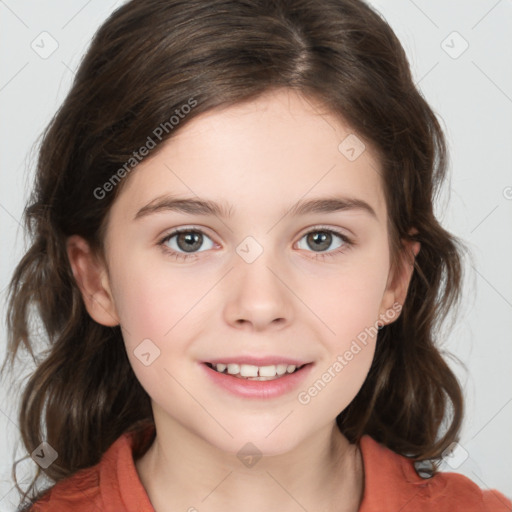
[(265, 155)]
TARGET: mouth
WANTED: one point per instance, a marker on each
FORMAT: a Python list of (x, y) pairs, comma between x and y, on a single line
[(252, 372)]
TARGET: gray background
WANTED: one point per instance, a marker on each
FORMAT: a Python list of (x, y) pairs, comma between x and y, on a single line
[(470, 91)]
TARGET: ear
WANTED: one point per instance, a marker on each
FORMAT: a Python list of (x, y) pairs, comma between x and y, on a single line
[(92, 278), (398, 282)]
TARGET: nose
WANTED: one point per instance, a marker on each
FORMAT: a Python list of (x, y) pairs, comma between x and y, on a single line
[(258, 295)]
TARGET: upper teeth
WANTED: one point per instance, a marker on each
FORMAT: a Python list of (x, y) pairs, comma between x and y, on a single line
[(249, 370)]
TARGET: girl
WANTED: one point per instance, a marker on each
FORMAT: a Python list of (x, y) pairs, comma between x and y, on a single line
[(236, 262)]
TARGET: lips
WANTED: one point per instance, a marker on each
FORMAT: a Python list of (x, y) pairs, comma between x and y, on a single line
[(258, 361), (257, 387), (254, 372)]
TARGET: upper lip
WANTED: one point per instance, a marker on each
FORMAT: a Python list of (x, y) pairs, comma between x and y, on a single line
[(257, 361)]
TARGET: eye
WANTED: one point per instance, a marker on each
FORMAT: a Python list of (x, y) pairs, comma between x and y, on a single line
[(187, 240), (185, 243), (321, 239)]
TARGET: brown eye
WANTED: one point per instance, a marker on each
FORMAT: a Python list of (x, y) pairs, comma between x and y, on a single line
[(190, 241), (183, 242), (321, 240)]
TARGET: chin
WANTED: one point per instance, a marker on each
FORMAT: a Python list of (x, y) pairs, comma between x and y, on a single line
[(264, 440)]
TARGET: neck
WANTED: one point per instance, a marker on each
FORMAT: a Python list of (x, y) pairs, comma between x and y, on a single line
[(324, 472)]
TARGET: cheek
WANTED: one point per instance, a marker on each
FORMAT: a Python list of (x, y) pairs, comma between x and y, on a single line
[(155, 309), (349, 310), (152, 302), (337, 382), (348, 300)]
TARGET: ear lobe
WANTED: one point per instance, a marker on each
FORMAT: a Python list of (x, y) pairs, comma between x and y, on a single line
[(92, 279), (398, 285), (406, 270)]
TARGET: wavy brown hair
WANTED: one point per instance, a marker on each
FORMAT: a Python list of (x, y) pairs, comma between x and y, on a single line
[(145, 62)]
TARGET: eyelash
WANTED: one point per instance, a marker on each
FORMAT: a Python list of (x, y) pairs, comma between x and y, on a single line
[(348, 243)]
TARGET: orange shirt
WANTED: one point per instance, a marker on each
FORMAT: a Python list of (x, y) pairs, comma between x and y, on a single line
[(391, 485)]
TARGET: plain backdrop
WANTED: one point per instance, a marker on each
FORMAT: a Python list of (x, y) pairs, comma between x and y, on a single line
[(460, 54)]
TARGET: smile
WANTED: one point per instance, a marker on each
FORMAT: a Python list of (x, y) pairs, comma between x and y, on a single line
[(251, 372), (259, 382)]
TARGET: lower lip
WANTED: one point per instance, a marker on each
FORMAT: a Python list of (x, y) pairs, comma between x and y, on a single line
[(258, 388)]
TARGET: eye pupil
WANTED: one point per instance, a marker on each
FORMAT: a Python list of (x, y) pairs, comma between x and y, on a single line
[(320, 238), (192, 241)]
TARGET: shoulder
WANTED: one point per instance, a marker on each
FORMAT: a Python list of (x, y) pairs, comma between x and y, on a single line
[(111, 485), (79, 492), (391, 482)]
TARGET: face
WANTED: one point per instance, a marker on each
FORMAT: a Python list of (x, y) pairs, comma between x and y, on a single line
[(259, 277)]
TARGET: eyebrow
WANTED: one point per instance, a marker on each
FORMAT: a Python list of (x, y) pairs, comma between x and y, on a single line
[(206, 207)]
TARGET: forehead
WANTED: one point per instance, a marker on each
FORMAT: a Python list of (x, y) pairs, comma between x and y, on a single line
[(277, 149)]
